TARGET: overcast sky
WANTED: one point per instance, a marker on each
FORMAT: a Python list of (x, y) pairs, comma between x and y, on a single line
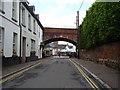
[(60, 13)]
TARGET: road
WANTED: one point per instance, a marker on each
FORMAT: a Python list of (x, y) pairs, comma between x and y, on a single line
[(54, 73)]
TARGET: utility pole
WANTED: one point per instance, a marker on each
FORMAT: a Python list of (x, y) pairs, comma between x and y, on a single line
[(77, 20), (78, 37)]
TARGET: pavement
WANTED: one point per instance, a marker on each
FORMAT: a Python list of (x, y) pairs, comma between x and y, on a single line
[(12, 68), (106, 74)]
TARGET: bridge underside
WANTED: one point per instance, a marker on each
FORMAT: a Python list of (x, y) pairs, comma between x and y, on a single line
[(44, 43)]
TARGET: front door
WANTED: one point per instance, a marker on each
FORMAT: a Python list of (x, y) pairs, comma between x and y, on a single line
[(1, 41), (24, 50)]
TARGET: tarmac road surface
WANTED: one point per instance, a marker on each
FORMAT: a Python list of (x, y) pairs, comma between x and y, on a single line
[(55, 73)]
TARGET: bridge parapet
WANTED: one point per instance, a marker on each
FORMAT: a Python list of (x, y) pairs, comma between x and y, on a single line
[(68, 33)]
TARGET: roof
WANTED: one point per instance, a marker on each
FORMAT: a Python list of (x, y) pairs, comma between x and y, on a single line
[(51, 45), (60, 47)]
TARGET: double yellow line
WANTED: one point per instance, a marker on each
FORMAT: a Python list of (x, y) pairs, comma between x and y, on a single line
[(19, 72), (92, 84)]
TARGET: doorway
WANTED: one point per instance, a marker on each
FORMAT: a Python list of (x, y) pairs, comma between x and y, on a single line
[(24, 50)]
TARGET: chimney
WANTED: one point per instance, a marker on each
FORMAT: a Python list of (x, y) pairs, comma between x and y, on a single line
[(32, 8), (37, 16)]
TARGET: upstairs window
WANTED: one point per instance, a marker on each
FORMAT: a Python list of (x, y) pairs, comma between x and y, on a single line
[(29, 22), (2, 6), (39, 34), (34, 25), (14, 10), (23, 16)]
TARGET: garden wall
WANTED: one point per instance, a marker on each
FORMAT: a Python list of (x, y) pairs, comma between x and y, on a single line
[(108, 54)]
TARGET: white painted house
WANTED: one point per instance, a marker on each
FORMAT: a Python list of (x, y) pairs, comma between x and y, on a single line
[(9, 29), (20, 32), (31, 32)]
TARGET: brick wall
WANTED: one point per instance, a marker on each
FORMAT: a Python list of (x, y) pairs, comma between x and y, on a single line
[(68, 33), (108, 54)]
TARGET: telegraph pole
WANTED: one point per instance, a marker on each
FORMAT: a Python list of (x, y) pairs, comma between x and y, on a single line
[(78, 37)]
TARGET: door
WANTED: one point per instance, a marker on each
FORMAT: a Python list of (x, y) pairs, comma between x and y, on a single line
[(24, 50), (1, 41)]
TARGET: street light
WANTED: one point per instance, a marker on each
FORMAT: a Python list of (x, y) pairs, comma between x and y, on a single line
[(78, 37)]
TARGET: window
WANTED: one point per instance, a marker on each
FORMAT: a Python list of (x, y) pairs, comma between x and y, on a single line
[(34, 25), (32, 45), (14, 10), (1, 40), (39, 34), (29, 21), (32, 53), (14, 43), (2, 6), (23, 15)]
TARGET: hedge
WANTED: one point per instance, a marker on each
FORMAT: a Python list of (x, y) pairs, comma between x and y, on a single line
[(101, 25)]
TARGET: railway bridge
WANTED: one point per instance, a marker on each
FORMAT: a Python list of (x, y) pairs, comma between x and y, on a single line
[(51, 34)]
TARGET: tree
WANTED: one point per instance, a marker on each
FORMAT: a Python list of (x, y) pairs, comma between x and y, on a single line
[(101, 25)]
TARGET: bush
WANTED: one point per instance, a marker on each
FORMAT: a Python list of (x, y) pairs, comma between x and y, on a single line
[(32, 53), (101, 25)]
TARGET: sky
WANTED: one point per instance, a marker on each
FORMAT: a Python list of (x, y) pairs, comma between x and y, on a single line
[(60, 13)]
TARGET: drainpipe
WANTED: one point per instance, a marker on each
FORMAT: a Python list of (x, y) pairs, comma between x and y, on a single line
[(20, 30)]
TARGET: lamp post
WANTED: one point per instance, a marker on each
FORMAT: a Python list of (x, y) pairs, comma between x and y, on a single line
[(78, 37)]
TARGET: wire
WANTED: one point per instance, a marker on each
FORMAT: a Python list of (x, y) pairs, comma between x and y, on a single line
[(81, 5)]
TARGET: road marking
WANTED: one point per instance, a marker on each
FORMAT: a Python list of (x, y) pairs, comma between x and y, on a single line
[(103, 83), (20, 72), (93, 85)]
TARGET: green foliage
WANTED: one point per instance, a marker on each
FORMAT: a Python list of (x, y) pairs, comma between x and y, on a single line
[(14, 52), (32, 53), (101, 24)]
